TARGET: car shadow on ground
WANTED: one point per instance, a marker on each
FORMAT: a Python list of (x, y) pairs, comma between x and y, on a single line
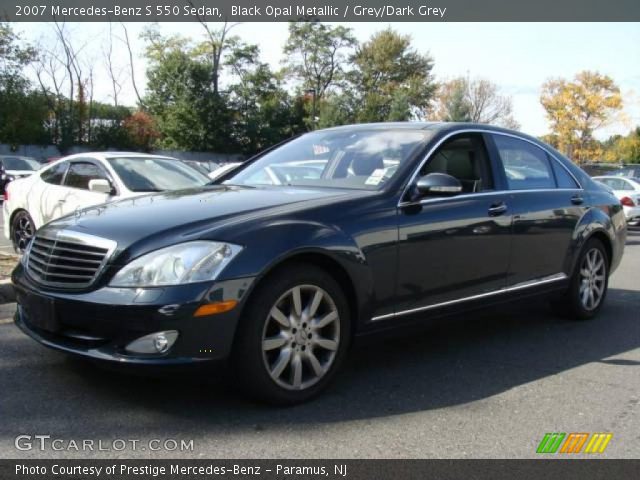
[(462, 359), (633, 236)]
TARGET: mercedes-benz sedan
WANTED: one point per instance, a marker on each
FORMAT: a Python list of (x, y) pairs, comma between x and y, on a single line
[(334, 234)]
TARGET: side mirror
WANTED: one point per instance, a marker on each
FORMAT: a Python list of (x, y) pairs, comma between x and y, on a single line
[(438, 184), (100, 185)]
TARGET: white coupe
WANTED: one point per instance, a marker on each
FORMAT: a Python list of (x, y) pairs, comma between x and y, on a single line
[(85, 180)]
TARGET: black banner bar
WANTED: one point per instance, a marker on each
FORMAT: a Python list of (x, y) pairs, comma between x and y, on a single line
[(324, 10), (579, 469)]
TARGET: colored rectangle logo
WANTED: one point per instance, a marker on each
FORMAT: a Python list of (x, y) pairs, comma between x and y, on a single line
[(574, 442)]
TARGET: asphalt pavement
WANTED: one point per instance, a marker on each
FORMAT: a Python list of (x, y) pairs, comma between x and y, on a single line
[(489, 384)]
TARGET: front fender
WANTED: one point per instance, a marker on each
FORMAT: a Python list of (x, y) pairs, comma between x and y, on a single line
[(284, 240)]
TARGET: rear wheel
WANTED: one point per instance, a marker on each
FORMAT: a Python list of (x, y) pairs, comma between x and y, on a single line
[(22, 231), (589, 283), (294, 335)]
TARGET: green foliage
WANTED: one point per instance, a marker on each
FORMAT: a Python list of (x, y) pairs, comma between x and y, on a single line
[(188, 113), (316, 54), (625, 149), (577, 108), (391, 80), (23, 113)]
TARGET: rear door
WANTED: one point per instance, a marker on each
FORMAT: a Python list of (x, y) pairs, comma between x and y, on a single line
[(546, 202)]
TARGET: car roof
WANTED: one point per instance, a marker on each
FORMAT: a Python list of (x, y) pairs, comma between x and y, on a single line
[(437, 126), (106, 155)]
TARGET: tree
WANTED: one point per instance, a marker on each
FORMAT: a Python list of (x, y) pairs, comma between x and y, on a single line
[(624, 149), (23, 113), (477, 100), (189, 114), (576, 109), (265, 113), (451, 103), (316, 54), (391, 78), (141, 131)]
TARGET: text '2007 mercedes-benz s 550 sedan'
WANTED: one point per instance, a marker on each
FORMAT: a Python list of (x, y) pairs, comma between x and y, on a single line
[(333, 234)]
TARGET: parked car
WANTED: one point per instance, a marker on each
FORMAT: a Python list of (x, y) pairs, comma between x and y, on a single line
[(223, 169), (203, 167), (408, 222), (597, 169), (84, 180), (628, 192), (13, 167), (632, 171)]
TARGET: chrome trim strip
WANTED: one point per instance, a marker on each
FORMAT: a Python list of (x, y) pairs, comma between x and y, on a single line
[(519, 286), (491, 132), (485, 193)]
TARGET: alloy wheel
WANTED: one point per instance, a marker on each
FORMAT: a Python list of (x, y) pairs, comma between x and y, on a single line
[(592, 279), (301, 337), (22, 232)]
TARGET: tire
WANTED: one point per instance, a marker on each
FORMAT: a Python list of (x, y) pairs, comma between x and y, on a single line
[(22, 230), (293, 337), (588, 285)]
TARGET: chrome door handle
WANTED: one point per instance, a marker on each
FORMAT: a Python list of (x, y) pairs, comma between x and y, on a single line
[(577, 200), (497, 209)]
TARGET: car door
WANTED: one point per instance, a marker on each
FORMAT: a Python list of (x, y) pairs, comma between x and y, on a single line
[(47, 196), (454, 247), (80, 173), (546, 202)]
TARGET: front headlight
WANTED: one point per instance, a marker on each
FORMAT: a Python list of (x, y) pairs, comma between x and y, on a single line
[(189, 262)]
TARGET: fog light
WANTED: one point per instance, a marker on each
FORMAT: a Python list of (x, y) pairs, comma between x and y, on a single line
[(159, 342)]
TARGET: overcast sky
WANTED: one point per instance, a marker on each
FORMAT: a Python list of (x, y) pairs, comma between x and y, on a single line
[(518, 57)]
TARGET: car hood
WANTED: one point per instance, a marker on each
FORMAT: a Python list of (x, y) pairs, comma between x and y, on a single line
[(186, 214)]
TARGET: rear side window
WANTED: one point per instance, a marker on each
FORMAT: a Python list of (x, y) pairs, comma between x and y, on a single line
[(525, 165), (619, 184), (564, 179), (55, 174), (81, 173)]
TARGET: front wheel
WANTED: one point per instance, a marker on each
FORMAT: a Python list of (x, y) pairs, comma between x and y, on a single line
[(22, 230), (294, 335), (589, 283)]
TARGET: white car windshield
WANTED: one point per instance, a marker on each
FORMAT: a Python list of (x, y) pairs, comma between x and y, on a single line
[(361, 159), (150, 174)]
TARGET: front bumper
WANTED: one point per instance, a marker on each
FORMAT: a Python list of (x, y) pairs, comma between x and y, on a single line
[(100, 323)]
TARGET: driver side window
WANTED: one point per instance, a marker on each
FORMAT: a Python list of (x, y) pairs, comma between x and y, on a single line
[(465, 158)]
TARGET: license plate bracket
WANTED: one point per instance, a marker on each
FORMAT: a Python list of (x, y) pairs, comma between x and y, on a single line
[(40, 312)]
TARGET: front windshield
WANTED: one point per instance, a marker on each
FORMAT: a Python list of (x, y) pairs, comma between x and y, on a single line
[(150, 174), (362, 159), (15, 163)]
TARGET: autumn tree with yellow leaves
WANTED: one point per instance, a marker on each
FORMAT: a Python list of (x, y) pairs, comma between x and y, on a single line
[(576, 109)]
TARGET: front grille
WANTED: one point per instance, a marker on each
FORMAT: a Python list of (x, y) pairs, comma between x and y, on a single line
[(67, 259)]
